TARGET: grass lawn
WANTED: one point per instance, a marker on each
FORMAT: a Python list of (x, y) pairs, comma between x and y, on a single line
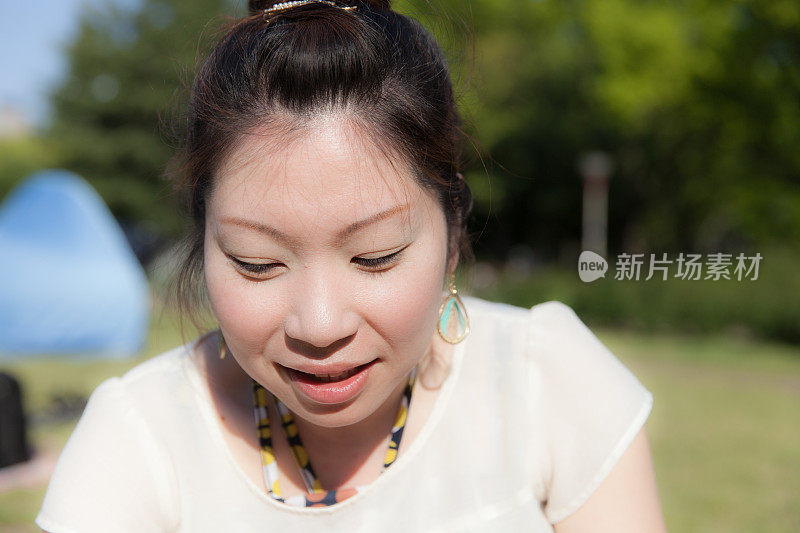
[(725, 425), (725, 429)]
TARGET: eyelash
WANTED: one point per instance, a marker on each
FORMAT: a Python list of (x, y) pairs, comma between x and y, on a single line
[(377, 262), (254, 268), (371, 263)]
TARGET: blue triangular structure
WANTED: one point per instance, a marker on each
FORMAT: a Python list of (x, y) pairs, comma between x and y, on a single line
[(69, 281)]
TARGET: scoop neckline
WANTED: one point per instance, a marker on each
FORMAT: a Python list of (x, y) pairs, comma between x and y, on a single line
[(207, 412)]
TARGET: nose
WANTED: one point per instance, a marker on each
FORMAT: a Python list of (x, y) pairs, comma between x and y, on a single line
[(322, 313)]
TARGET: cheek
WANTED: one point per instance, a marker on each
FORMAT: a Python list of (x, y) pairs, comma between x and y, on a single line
[(411, 301), (247, 317), (404, 311)]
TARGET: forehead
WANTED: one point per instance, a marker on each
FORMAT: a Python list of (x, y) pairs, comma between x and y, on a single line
[(327, 170)]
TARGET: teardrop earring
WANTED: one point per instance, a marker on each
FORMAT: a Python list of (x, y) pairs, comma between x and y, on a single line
[(458, 330), (223, 349)]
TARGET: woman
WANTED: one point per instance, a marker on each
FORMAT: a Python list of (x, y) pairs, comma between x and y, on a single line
[(321, 166)]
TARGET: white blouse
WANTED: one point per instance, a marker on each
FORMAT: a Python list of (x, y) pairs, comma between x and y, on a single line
[(560, 409)]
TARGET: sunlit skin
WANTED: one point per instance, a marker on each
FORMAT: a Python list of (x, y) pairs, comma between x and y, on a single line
[(321, 212)]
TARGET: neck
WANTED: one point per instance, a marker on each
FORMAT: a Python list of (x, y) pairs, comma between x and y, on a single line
[(361, 437), (230, 386), (353, 454), (339, 453), (228, 379)]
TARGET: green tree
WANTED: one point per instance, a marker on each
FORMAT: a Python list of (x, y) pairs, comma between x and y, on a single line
[(697, 103), (20, 157), (126, 71)]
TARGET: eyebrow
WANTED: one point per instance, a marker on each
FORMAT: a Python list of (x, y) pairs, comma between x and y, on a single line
[(340, 237)]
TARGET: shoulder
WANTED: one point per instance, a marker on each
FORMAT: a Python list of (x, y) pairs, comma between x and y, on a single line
[(542, 315), (555, 322), (563, 354), (587, 406), (498, 310), (498, 332), (152, 387), (129, 392), (544, 331), (493, 318), (562, 350), (582, 405), (555, 331), (547, 327), (161, 396), (159, 370), (553, 312), (116, 449)]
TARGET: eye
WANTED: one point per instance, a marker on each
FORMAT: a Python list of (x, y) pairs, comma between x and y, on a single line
[(379, 264), (255, 268)]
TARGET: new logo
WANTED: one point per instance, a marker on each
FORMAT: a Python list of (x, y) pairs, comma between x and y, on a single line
[(591, 266)]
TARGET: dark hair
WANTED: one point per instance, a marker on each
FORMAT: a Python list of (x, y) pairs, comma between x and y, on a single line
[(385, 70)]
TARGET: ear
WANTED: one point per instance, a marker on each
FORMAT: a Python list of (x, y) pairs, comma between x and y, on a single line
[(454, 246)]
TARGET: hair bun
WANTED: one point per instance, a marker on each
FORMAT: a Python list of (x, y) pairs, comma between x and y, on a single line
[(257, 6)]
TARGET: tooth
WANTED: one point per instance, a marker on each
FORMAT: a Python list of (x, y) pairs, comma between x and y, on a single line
[(338, 376), (335, 377)]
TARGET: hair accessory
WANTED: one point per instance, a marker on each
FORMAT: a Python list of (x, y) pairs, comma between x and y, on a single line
[(223, 349), (295, 3), (456, 332)]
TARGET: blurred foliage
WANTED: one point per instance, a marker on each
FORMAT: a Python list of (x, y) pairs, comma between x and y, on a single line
[(742, 309), (696, 102), (114, 112), (21, 156)]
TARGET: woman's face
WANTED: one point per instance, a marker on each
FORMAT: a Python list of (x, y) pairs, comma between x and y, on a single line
[(319, 256)]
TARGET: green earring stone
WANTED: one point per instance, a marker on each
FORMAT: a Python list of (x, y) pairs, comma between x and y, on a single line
[(453, 320)]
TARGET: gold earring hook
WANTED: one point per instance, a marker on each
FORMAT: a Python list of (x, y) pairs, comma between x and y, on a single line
[(223, 349)]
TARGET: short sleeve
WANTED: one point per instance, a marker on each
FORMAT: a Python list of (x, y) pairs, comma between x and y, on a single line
[(112, 474), (589, 410)]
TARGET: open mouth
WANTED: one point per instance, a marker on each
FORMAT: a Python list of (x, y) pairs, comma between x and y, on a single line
[(329, 378), (331, 388)]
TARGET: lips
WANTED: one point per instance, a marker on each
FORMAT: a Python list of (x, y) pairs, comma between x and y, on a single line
[(333, 373), (339, 388)]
